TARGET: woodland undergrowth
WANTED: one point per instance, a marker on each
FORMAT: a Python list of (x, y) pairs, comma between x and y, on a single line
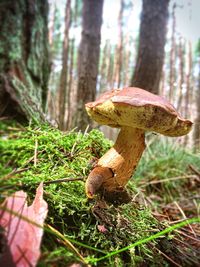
[(165, 190)]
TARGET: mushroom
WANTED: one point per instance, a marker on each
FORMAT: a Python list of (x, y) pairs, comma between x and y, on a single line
[(134, 111)]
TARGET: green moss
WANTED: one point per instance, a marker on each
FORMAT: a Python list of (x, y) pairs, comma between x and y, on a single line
[(62, 155)]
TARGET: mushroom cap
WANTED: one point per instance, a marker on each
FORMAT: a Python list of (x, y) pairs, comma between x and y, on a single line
[(138, 108)]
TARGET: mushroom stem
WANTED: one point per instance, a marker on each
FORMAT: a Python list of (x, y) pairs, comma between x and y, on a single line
[(115, 168)]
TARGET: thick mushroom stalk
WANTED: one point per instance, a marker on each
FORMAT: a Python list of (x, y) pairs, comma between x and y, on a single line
[(115, 168)]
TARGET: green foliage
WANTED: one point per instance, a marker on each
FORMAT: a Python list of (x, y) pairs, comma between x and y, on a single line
[(163, 160), (44, 153), (62, 155)]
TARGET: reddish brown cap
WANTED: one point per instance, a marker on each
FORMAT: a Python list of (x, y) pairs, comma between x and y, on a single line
[(138, 108)]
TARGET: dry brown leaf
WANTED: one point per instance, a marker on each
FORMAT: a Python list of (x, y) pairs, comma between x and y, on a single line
[(22, 229)]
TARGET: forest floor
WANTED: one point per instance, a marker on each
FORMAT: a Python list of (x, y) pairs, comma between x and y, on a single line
[(149, 230)]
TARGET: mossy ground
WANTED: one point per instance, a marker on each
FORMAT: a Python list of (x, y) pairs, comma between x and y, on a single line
[(33, 154)]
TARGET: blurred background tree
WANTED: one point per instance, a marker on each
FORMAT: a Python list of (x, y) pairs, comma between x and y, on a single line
[(152, 38), (96, 46)]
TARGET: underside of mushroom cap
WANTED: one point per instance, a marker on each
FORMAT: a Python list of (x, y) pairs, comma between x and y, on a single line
[(138, 108)]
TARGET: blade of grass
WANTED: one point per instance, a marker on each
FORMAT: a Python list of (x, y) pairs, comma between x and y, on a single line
[(67, 243)]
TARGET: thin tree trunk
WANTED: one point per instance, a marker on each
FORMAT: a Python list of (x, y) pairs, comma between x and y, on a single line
[(181, 74), (51, 22), (69, 113), (188, 86), (88, 59), (119, 45), (196, 135), (172, 56), (162, 84), (188, 79), (64, 72), (110, 68), (24, 67), (127, 55), (70, 98), (103, 68), (152, 37), (114, 72)]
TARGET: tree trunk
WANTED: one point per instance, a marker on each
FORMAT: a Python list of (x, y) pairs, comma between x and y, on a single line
[(110, 68), (172, 56), (64, 71), (51, 22), (181, 49), (188, 79), (197, 120), (88, 59), (69, 91), (126, 56), (24, 66), (119, 49), (104, 67), (188, 86), (150, 57)]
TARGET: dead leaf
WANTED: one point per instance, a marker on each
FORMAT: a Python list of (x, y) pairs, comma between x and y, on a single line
[(22, 229)]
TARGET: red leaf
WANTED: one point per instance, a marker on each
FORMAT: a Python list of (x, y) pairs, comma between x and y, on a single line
[(22, 237)]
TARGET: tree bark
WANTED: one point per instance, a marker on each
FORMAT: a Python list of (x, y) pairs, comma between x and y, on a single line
[(64, 72), (88, 59), (152, 37), (24, 66)]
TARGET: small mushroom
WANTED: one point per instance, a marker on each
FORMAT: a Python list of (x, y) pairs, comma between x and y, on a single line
[(134, 111)]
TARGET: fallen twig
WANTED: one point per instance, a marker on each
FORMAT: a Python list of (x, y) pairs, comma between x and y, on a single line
[(63, 180), (192, 168), (67, 243), (14, 172), (167, 257), (168, 179), (192, 238), (184, 217)]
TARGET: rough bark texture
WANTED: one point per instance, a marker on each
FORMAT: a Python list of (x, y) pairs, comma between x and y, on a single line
[(24, 65), (150, 57), (88, 59)]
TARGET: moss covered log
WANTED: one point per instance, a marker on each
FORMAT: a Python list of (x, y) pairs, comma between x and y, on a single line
[(33, 154)]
